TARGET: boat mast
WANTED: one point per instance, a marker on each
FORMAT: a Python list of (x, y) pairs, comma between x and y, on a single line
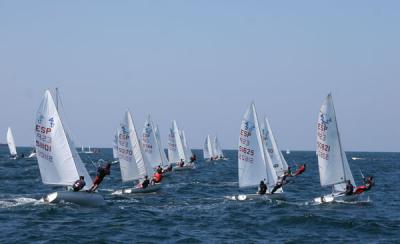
[(340, 143)]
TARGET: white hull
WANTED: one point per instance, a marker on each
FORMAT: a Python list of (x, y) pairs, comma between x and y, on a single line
[(275, 196), (336, 197), (149, 189), (81, 198), (185, 167), (32, 155)]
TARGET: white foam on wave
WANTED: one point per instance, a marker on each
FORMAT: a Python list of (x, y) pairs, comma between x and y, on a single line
[(9, 203)]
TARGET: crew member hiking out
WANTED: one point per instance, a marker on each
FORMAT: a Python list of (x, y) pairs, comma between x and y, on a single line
[(102, 171), (368, 183)]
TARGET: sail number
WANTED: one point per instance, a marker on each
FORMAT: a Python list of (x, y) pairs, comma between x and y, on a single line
[(323, 147), (246, 151), (245, 133)]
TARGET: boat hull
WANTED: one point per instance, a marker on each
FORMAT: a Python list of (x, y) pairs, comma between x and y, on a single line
[(134, 190), (185, 167), (336, 198), (275, 196), (81, 198)]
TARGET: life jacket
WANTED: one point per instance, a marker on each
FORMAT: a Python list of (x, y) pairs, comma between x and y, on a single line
[(157, 177), (79, 184), (300, 170), (360, 189)]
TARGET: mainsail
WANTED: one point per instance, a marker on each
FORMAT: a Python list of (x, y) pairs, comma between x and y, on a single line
[(217, 148), (175, 146), (278, 161), (150, 145), (58, 160), (254, 163), (115, 146), (206, 151), (162, 152), (11, 142), (334, 168), (132, 162), (186, 149)]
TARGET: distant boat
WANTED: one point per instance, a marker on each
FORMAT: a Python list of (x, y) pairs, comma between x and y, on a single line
[(176, 149), (58, 159), (254, 163), (334, 169), (115, 148), (11, 144), (212, 149), (88, 151), (288, 151), (133, 162)]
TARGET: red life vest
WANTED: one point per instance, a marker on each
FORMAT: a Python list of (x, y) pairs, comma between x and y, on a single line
[(157, 177), (360, 189)]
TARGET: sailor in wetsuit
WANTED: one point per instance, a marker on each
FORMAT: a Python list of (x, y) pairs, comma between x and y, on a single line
[(79, 184), (349, 188), (262, 188)]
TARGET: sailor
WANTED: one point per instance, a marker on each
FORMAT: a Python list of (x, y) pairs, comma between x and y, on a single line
[(79, 184), (181, 163), (159, 169), (168, 169), (368, 183), (281, 182), (193, 158), (22, 155), (102, 171), (146, 182), (349, 188), (262, 188), (300, 170)]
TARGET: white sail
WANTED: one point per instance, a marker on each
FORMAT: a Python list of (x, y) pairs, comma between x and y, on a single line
[(173, 154), (162, 152), (186, 149), (175, 146), (206, 152), (58, 160), (278, 161), (132, 162), (11, 142), (115, 146), (150, 145), (211, 147), (254, 163), (334, 168), (217, 146)]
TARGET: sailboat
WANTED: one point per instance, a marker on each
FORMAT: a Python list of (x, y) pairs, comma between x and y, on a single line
[(207, 149), (278, 161), (150, 145), (218, 154), (176, 148), (133, 163), (58, 160), (334, 169), (11, 144), (163, 156), (188, 152), (254, 162)]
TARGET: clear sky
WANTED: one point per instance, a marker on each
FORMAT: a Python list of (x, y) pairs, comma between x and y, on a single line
[(202, 63)]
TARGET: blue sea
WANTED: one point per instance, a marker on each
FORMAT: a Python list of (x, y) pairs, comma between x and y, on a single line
[(194, 207)]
